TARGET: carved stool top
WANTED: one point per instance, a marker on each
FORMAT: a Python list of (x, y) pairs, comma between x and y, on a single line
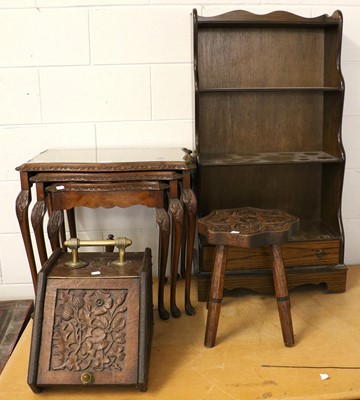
[(248, 227)]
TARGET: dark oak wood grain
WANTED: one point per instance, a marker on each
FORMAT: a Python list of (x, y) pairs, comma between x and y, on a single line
[(68, 195), (269, 95), (121, 176), (93, 330), (248, 227)]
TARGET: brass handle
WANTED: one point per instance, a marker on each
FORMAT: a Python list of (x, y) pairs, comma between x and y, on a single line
[(86, 378), (320, 253), (74, 243)]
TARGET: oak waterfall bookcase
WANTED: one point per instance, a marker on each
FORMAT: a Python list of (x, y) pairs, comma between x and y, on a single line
[(269, 98)]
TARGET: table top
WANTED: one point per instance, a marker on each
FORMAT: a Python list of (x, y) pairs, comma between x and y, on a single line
[(115, 159)]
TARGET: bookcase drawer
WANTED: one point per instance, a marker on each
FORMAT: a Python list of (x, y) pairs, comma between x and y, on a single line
[(295, 254)]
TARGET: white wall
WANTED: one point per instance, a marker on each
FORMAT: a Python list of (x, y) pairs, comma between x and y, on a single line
[(118, 73)]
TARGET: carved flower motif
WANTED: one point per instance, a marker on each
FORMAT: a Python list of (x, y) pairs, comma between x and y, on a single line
[(101, 302), (98, 336)]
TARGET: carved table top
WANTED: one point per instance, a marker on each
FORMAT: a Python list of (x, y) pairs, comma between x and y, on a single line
[(110, 160)]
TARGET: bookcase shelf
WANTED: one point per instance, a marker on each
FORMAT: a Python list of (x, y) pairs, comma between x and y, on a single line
[(271, 89), (266, 158)]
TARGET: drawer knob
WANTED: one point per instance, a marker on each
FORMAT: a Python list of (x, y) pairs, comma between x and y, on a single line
[(320, 253), (86, 378)]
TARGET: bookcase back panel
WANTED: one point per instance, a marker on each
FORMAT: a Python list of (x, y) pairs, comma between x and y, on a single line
[(260, 57), (292, 188), (260, 122)]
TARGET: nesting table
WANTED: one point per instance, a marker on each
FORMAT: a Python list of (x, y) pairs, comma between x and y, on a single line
[(170, 167)]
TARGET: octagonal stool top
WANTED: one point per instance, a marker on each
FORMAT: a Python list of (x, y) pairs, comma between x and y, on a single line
[(248, 227)]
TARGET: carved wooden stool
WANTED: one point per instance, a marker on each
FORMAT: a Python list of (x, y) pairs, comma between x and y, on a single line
[(247, 227)]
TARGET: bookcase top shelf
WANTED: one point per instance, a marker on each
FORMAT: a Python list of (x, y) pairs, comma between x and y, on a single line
[(273, 19)]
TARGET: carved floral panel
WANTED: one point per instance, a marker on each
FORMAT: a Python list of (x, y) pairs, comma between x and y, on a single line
[(89, 330)]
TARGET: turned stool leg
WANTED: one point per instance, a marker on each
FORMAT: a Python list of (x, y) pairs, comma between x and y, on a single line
[(215, 296), (282, 297)]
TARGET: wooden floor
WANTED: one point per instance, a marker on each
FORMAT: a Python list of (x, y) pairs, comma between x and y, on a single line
[(249, 360)]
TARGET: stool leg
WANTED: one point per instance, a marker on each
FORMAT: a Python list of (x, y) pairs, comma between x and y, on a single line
[(215, 296), (282, 297)]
